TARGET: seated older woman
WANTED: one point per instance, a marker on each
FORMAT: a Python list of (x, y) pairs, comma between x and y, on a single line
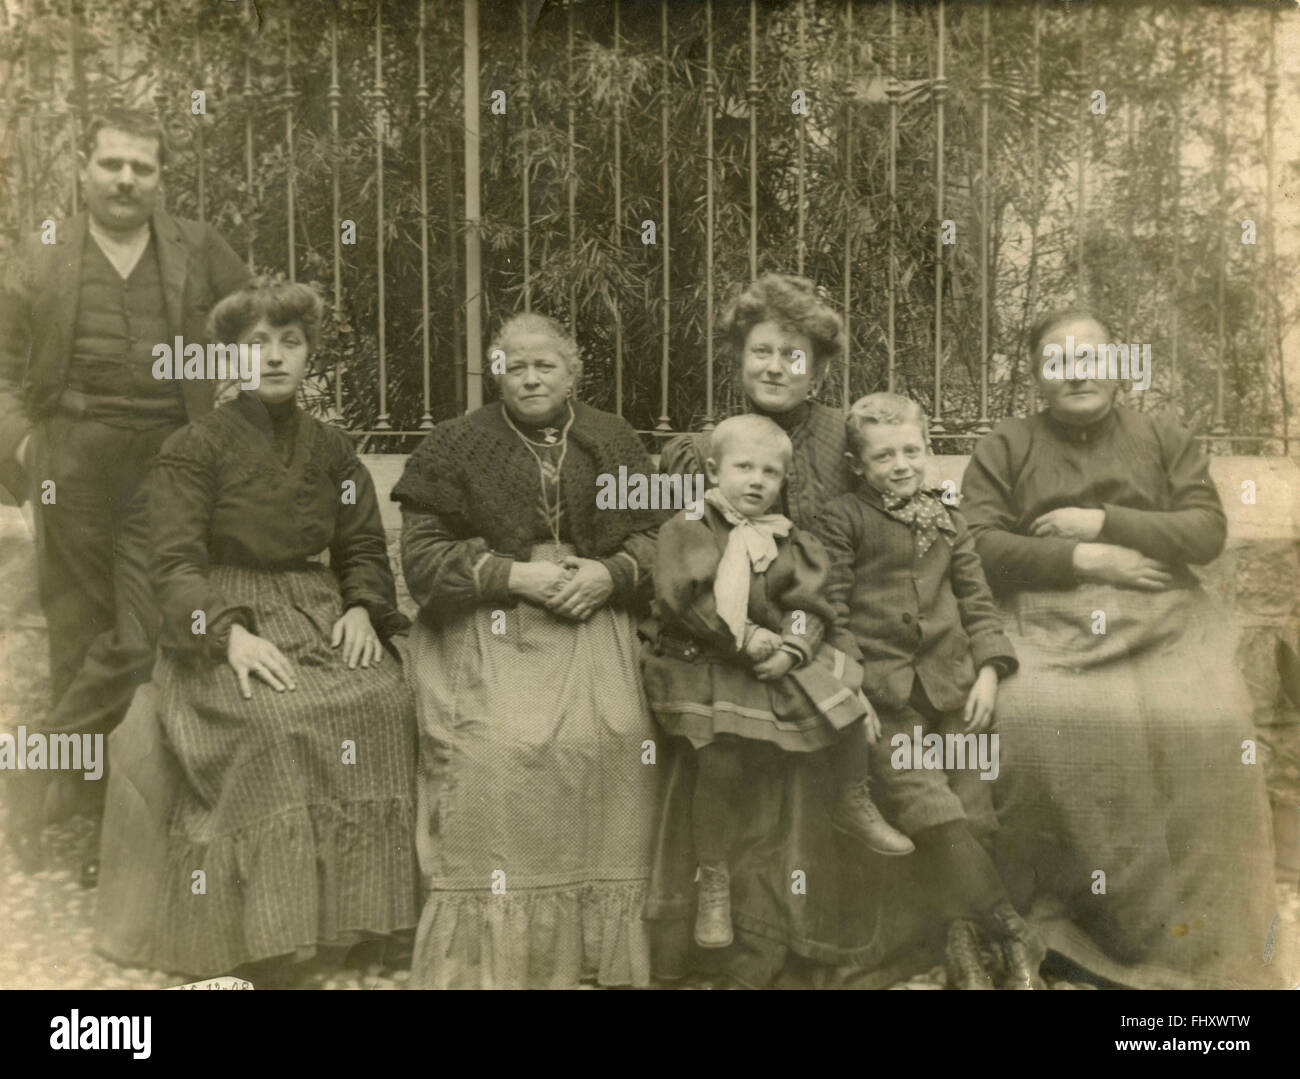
[(1128, 816), (291, 828), (537, 786)]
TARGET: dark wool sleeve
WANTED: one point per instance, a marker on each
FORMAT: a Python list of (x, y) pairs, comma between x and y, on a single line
[(979, 613), (182, 489), (1195, 529), (686, 564), (447, 574), (839, 522), (1011, 561), (804, 592), (632, 566), (681, 456), (359, 549), (16, 295), (227, 272), (447, 567)]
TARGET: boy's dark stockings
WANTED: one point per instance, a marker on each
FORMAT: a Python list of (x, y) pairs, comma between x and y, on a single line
[(960, 875), (720, 768)]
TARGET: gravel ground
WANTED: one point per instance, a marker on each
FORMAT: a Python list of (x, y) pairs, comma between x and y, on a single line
[(46, 919)]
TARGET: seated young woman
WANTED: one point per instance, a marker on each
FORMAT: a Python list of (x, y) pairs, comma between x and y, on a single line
[(290, 819)]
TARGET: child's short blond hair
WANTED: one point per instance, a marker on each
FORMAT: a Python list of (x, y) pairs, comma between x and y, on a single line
[(882, 408), (749, 428)]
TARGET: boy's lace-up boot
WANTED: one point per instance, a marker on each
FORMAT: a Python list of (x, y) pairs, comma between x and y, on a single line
[(965, 964), (713, 906), (1023, 950), (856, 815)]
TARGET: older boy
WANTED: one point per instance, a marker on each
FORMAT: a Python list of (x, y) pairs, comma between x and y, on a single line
[(907, 581)]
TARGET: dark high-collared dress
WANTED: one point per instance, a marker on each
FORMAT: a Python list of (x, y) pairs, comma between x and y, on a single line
[(295, 808), (1130, 819)]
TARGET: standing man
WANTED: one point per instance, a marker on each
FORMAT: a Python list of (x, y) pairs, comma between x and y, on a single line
[(81, 419)]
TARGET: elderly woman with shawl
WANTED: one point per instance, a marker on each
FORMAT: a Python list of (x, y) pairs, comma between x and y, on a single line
[(537, 784)]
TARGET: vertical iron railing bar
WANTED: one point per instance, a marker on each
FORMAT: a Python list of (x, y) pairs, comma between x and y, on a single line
[(460, 375), (289, 186), (850, 205), (201, 181), (1178, 198), (1036, 201), (248, 137), (892, 93), (25, 102), (526, 128), (617, 237), (1220, 426), (1081, 120), (1271, 84), (422, 107), (940, 93), (801, 135), (333, 97), (571, 170), (77, 103), (986, 92), (710, 97), (159, 70), (473, 216), (751, 95), (664, 423), (382, 421)]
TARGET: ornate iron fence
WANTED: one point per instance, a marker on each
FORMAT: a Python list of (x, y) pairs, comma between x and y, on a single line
[(944, 172)]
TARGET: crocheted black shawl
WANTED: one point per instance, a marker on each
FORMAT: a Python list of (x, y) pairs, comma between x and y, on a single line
[(475, 473)]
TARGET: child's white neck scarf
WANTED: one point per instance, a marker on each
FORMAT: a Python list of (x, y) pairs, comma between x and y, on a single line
[(751, 543)]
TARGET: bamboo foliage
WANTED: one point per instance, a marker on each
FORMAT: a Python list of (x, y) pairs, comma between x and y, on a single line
[(1130, 227)]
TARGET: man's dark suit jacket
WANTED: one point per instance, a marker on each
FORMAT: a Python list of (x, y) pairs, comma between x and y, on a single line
[(38, 310), (934, 619)]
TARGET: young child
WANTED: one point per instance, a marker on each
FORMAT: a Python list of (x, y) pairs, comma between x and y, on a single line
[(907, 581), (741, 655)]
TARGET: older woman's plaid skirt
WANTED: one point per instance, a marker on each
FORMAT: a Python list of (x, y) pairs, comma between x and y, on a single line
[(1131, 816)]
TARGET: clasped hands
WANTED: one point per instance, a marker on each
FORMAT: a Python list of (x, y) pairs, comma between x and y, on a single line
[(769, 660), (1108, 563), (573, 588)]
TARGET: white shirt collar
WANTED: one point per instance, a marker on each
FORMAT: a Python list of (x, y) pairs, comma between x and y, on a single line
[(122, 251)]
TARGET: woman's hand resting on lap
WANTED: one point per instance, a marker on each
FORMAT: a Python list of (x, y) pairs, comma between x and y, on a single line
[(1122, 566), (249, 654), (354, 633)]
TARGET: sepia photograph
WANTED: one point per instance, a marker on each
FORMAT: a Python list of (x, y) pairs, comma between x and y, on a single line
[(650, 494)]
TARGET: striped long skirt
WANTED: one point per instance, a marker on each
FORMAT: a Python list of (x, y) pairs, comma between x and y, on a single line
[(293, 827)]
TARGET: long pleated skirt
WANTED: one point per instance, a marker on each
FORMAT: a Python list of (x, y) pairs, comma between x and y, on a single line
[(1133, 820), (291, 824), (539, 773)]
